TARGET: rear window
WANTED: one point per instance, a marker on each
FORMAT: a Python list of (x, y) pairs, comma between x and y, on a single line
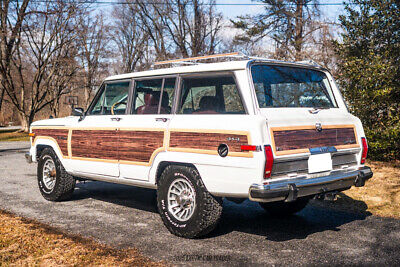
[(282, 86)]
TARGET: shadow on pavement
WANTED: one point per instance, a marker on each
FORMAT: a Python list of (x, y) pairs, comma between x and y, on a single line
[(246, 217), (249, 218), (128, 196), (13, 150)]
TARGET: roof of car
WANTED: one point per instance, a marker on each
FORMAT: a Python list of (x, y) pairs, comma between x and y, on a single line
[(206, 67)]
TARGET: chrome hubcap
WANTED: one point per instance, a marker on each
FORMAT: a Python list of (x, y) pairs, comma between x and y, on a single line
[(181, 200), (49, 173)]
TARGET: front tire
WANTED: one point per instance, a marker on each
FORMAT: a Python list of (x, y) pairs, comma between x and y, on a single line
[(281, 209), (186, 208), (55, 184)]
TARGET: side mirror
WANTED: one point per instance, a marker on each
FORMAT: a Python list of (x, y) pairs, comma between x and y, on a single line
[(77, 112)]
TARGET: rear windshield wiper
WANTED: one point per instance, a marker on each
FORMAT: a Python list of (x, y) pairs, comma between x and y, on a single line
[(316, 110)]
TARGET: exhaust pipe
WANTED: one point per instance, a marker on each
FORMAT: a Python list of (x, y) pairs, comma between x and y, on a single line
[(330, 196)]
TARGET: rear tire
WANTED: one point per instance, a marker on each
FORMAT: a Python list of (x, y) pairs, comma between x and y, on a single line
[(281, 209), (186, 208), (55, 184)]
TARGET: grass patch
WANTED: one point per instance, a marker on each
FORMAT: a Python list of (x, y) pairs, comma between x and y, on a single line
[(27, 243), (13, 136), (380, 195)]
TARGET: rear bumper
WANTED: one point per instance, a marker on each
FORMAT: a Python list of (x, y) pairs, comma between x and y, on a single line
[(291, 189)]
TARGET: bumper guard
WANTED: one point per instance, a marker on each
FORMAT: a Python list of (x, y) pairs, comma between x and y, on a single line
[(290, 189), (28, 157)]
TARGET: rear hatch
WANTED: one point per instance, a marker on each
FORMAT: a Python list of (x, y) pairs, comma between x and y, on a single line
[(309, 133)]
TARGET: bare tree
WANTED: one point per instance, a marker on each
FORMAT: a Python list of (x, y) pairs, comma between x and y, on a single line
[(92, 45), (186, 27), (12, 14), (129, 37), (44, 57)]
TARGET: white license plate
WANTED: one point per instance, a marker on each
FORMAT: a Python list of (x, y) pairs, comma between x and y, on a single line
[(319, 163)]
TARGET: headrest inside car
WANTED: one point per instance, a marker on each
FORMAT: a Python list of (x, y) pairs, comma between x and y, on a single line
[(208, 103), (151, 99)]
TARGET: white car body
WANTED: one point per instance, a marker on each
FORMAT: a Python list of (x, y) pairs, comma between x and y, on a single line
[(230, 176)]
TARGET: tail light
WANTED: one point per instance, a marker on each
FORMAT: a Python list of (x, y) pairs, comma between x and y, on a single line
[(248, 148), (269, 161), (364, 150)]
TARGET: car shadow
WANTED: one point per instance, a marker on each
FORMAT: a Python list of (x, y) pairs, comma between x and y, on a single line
[(247, 217), (128, 196)]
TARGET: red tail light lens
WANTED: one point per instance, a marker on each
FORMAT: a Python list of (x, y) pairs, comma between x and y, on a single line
[(248, 148), (269, 161), (364, 150)]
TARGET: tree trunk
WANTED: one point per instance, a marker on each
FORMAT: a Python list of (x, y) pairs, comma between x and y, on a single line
[(87, 95), (299, 29), (197, 29), (26, 121), (1, 98)]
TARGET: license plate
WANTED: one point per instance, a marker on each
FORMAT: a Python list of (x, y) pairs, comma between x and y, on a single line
[(320, 163)]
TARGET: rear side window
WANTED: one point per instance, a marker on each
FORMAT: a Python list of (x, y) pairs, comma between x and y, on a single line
[(210, 95), (153, 96)]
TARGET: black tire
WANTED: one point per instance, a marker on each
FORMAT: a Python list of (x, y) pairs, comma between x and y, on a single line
[(207, 208), (281, 209), (64, 185)]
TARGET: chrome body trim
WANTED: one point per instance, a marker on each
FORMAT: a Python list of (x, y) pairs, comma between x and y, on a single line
[(115, 180)]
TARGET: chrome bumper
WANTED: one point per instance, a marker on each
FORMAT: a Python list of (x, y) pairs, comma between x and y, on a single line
[(28, 157), (290, 189)]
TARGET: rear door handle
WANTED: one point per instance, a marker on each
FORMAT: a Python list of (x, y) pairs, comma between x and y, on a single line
[(116, 119), (162, 119)]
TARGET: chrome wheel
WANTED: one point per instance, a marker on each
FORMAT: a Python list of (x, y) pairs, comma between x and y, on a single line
[(181, 199), (49, 173)]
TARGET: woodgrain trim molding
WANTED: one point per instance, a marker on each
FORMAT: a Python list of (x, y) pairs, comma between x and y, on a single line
[(165, 143), (190, 147), (69, 143), (57, 134), (310, 127)]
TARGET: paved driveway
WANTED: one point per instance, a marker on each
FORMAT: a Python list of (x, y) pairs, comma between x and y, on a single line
[(124, 216)]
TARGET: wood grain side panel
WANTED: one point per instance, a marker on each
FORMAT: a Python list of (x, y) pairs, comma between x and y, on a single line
[(97, 144), (139, 145), (309, 138), (207, 141), (60, 135)]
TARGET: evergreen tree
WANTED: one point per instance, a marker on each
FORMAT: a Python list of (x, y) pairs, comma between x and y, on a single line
[(289, 23), (369, 63)]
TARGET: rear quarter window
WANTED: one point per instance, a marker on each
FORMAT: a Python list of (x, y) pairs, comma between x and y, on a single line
[(210, 95)]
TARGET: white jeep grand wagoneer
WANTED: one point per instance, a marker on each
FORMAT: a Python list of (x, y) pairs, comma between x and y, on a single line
[(278, 133)]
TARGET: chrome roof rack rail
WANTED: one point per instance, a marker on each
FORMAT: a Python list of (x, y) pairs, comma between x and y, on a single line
[(194, 60), (237, 55), (309, 62)]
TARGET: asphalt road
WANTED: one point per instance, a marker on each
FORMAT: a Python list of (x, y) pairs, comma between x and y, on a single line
[(124, 216)]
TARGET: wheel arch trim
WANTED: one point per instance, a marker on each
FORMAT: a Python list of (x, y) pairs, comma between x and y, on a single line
[(42, 142)]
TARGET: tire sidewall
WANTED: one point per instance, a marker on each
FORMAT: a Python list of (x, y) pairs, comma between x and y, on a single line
[(47, 193), (193, 222)]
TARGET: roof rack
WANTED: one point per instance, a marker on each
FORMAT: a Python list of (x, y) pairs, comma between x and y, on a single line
[(192, 60)]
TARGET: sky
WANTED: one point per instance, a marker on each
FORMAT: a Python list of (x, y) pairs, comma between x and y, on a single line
[(329, 11)]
